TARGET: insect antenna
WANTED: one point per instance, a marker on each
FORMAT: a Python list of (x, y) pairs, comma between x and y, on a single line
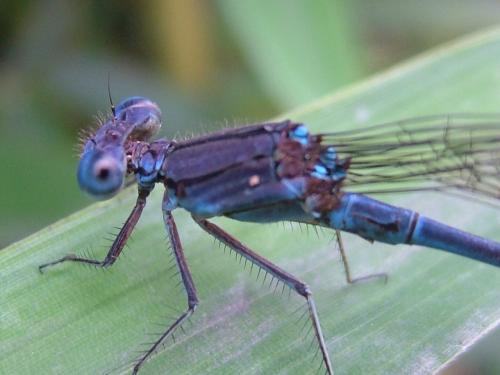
[(111, 104)]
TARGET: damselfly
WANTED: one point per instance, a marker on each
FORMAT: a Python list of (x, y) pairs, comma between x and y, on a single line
[(279, 171)]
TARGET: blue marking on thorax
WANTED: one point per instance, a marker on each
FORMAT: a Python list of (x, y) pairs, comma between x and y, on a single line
[(300, 134), (149, 168), (320, 172), (329, 157), (147, 163), (328, 167), (159, 163)]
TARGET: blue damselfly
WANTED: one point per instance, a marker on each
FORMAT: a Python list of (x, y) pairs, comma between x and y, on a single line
[(279, 171)]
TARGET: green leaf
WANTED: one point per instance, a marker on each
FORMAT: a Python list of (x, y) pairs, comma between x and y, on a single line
[(75, 320)]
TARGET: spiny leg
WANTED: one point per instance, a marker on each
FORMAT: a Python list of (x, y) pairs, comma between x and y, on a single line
[(288, 279), (187, 280), (118, 243), (347, 269)]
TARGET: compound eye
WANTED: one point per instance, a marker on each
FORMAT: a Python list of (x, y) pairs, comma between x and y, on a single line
[(100, 174), (103, 169), (143, 115)]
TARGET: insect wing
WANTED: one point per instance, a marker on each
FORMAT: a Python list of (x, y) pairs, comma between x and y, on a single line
[(453, 153)]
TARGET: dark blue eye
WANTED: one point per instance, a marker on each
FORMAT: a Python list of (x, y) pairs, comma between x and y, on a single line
[(100, 174), (140, 113), (102, 167)]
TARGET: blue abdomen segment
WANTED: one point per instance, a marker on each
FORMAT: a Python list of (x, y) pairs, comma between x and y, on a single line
[(434, 234), (378, 221)]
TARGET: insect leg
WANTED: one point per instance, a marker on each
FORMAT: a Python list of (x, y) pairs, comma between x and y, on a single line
[(118, 243), (187, 280), (300, 287), (347, 269)]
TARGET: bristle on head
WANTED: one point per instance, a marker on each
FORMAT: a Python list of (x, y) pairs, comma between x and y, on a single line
[(102, 117), (87, 133), (84, 135), (103, 161)]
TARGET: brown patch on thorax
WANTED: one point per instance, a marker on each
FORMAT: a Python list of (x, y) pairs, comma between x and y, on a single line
[(294, 159), (326, 194), (297, 160)]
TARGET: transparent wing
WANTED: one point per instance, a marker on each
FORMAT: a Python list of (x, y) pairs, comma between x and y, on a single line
[(457, 153)]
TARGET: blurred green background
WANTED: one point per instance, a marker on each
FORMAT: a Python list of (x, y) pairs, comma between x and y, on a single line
[(207, 64)]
